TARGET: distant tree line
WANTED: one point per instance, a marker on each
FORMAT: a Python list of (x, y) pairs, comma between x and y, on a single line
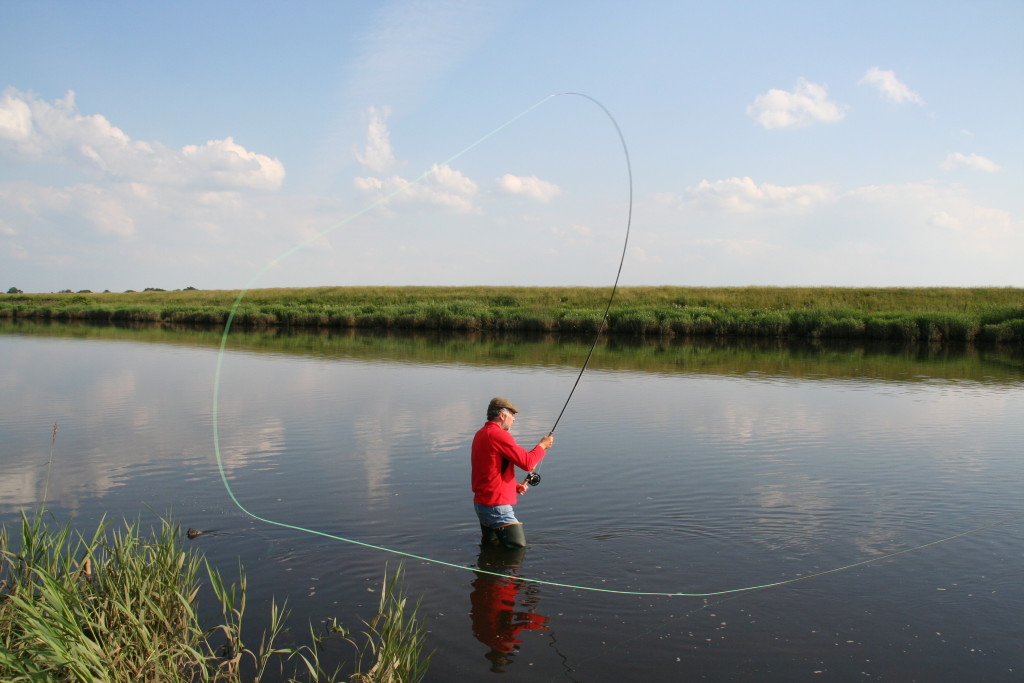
[(15, 290)]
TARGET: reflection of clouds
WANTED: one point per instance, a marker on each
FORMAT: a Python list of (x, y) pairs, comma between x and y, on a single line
[(440, 426), (117, 393), (951, 406), (21, 487), (791, 513), (800, 463), (115, 389), (71, 478), (244, 446), (89, 398), (125, 410), (879, 538), (374, 437), (744, 424), (384, 421)]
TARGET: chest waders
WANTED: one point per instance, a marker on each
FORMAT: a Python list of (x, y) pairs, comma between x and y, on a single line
[(508, 535)]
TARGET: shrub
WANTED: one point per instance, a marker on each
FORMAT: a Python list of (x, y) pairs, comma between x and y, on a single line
[(1011, 331)]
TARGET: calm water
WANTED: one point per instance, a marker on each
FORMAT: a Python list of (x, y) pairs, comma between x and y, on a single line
[(673, 476)]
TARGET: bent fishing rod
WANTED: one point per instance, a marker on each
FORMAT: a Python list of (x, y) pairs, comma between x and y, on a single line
[(533, 477)]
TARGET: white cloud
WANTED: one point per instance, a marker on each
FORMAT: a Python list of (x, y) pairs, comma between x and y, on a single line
[(741, 248), (743, 195), (807, 104), (738, 231), (80, 207), (223, 163), (377, 155), (572, 234), (15, 118), (126, 208), (974, 162), (57, 134), (528, 186), (981, 221), (441, 186), (938, 212), (891, 87), (107, 213)]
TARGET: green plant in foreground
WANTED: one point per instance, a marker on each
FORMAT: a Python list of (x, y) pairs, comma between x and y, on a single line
[(126, 610), (393, 652)]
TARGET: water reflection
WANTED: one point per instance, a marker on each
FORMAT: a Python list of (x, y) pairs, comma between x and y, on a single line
[(716, 467), (502, 607), (750, 358)]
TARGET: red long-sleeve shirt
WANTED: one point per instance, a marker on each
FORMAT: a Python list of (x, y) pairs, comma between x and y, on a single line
[(492, 446)]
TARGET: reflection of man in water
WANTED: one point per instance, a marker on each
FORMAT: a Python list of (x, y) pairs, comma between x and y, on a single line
[(495, 457), (496, 621)]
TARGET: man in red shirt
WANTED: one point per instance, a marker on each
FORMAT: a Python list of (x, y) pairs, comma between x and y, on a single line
[(495, 457)]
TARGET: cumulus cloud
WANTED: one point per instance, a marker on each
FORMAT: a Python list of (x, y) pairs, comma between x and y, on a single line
[(105, 212), (34, 130), (15, 118), (142, 203), (528, 186), (891, 87), (80, 206), (743, 195), (879, 213), (807, 104), (377, 155), (901, 234), (974, 162), (442, 186), (937, 210), (224, 163)]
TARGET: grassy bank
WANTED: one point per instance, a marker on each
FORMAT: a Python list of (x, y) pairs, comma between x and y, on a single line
[(899, 314), (123, 606)]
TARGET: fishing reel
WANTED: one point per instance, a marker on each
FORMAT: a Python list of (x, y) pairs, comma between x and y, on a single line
[(532, 479)]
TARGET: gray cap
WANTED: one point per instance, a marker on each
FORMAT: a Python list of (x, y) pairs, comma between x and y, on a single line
[(497, 403)]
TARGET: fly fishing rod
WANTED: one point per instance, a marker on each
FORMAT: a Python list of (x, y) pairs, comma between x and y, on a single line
[(533, 477)]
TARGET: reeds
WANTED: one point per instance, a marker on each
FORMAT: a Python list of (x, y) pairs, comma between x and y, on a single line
[(394, 640), (912, 314), (121, 606)]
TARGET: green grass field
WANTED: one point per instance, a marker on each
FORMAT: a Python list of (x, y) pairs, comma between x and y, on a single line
[(905, 314)]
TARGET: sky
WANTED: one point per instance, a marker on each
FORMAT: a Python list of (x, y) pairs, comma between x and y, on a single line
[(232, 145)]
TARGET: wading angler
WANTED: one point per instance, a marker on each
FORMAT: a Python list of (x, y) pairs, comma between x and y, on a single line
[(495, 457)]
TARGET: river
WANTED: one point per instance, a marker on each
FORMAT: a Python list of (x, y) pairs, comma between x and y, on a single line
[(719, 511)]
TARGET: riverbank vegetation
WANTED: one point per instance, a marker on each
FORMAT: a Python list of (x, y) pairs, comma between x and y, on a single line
[(895, 314), (813, 359), (121, 605)]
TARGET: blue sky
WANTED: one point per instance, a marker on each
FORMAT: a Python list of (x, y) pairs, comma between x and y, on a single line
[(246, 144)]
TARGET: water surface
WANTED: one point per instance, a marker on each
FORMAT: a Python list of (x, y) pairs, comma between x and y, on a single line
[(677, 468)]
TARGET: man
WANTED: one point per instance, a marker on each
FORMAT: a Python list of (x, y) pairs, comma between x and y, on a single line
[(495, 457)]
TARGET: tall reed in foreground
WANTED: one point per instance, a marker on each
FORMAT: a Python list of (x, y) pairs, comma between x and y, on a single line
[(121, 606), (393, 650)]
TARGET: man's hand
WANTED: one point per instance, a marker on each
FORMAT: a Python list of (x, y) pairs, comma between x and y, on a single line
[(521, 488), (546, 442)]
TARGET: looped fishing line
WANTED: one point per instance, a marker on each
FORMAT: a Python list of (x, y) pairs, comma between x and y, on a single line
[(434, 169)]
